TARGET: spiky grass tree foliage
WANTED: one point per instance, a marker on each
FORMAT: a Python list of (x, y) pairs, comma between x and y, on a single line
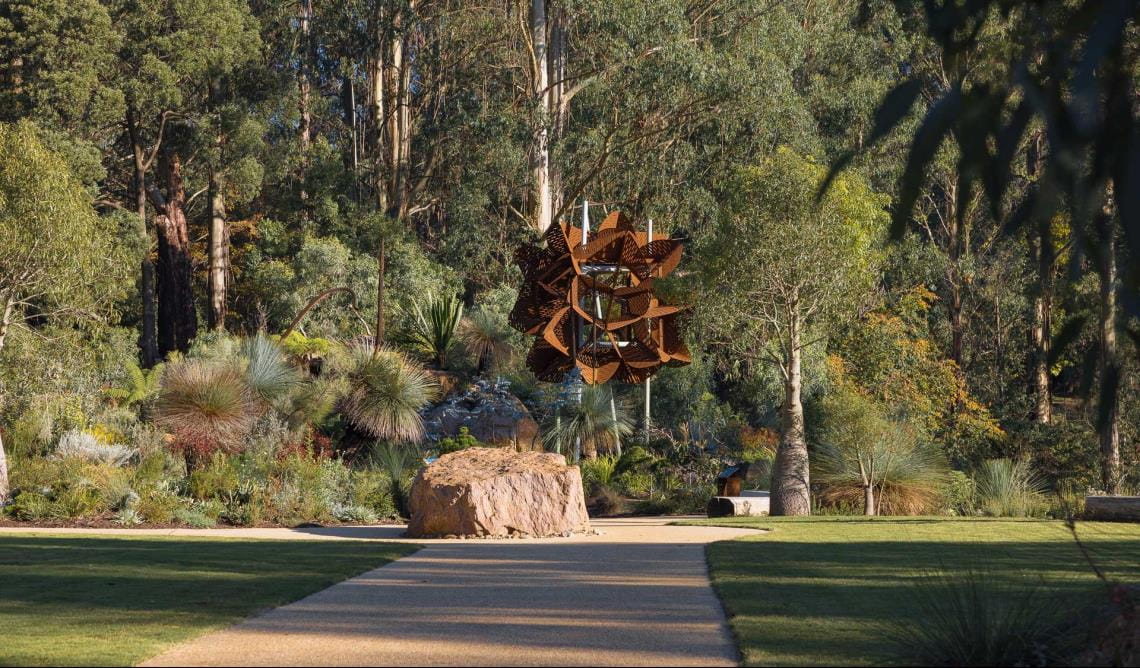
[(591, 421), (1008, 488), (268, 371), (488, 339), (434, 326), (207, 404), (386, 392)]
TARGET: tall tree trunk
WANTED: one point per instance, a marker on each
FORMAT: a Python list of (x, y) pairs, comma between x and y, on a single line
[(148, 344), (1041, 246), (1108, 418), (304, 94), (869, 500), (177, 318), (378, 340), (219, 254), (1039, 332), (555, 103), (540, 143), (5, 323), (791, 492)]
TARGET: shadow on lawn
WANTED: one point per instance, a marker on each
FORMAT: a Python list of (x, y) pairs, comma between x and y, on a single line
[(176, 575), (835, 600)]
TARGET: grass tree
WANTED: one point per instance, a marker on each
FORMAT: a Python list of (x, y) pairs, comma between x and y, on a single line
[(386, 392), (781, 268), (56, 255), (866, 455), (593, 422), (487, 337)]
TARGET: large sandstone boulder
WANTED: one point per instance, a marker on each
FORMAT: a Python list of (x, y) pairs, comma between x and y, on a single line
[(498, 492), (490, 412)]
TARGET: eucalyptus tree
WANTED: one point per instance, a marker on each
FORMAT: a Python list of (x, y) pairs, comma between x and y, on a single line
[(57, 262), (779, 271)]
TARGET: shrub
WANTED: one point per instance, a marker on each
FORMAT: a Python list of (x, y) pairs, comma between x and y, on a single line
[(31, 506), (193, 518), (460, 441), (216, 480), (399, 463), (605, 501), (372, 489), (974, 619), (87, 447), (1009, 488), (598, 471), (354, 514), (159, 506), (635, 484), (959, 494)]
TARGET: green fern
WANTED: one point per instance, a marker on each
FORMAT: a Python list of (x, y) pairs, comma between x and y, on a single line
[(139, 386)]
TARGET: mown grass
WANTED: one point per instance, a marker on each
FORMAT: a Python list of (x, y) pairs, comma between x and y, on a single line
[(827, 590), (118, 600)]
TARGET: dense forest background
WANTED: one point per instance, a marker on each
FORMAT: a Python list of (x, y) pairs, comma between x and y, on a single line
[(222, 162)]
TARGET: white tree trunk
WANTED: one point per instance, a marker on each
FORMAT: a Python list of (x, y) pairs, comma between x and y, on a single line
[(540, 149), (4, 491), (219, 254)]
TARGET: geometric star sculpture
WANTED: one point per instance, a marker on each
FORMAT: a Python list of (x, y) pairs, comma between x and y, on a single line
[(592, 305)]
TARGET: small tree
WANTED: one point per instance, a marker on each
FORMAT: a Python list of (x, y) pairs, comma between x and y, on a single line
[(780, 270), (56, 258)]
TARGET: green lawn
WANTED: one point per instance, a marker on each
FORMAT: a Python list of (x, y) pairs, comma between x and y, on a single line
[(118, 600), (821, 591)]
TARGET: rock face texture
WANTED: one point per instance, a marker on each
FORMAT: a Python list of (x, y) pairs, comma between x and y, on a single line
[(497, 492), (490, 412)]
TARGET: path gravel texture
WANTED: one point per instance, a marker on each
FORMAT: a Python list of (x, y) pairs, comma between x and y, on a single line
[(635, 594)]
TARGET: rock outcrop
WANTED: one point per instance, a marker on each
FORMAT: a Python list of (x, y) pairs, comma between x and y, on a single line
[(497, 492), (490, 412)]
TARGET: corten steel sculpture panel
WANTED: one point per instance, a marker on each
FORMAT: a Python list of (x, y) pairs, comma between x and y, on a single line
[(592, 305)]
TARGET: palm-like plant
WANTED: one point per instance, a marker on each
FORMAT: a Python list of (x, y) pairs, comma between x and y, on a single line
[(487, 338), (434, 327), (386, 392), (594, 421)]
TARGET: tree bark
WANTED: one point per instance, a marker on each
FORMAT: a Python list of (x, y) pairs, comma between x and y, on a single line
[(148, 344), (791, 491), (869, 500), (177, 318), (1108, 422), (1039, 333), (6, 319), (219, 254), (540, 143)]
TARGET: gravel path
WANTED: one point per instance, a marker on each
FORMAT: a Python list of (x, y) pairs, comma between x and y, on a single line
[(637, 594)]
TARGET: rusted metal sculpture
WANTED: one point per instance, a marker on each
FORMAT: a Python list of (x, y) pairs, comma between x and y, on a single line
[(592, 305)]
